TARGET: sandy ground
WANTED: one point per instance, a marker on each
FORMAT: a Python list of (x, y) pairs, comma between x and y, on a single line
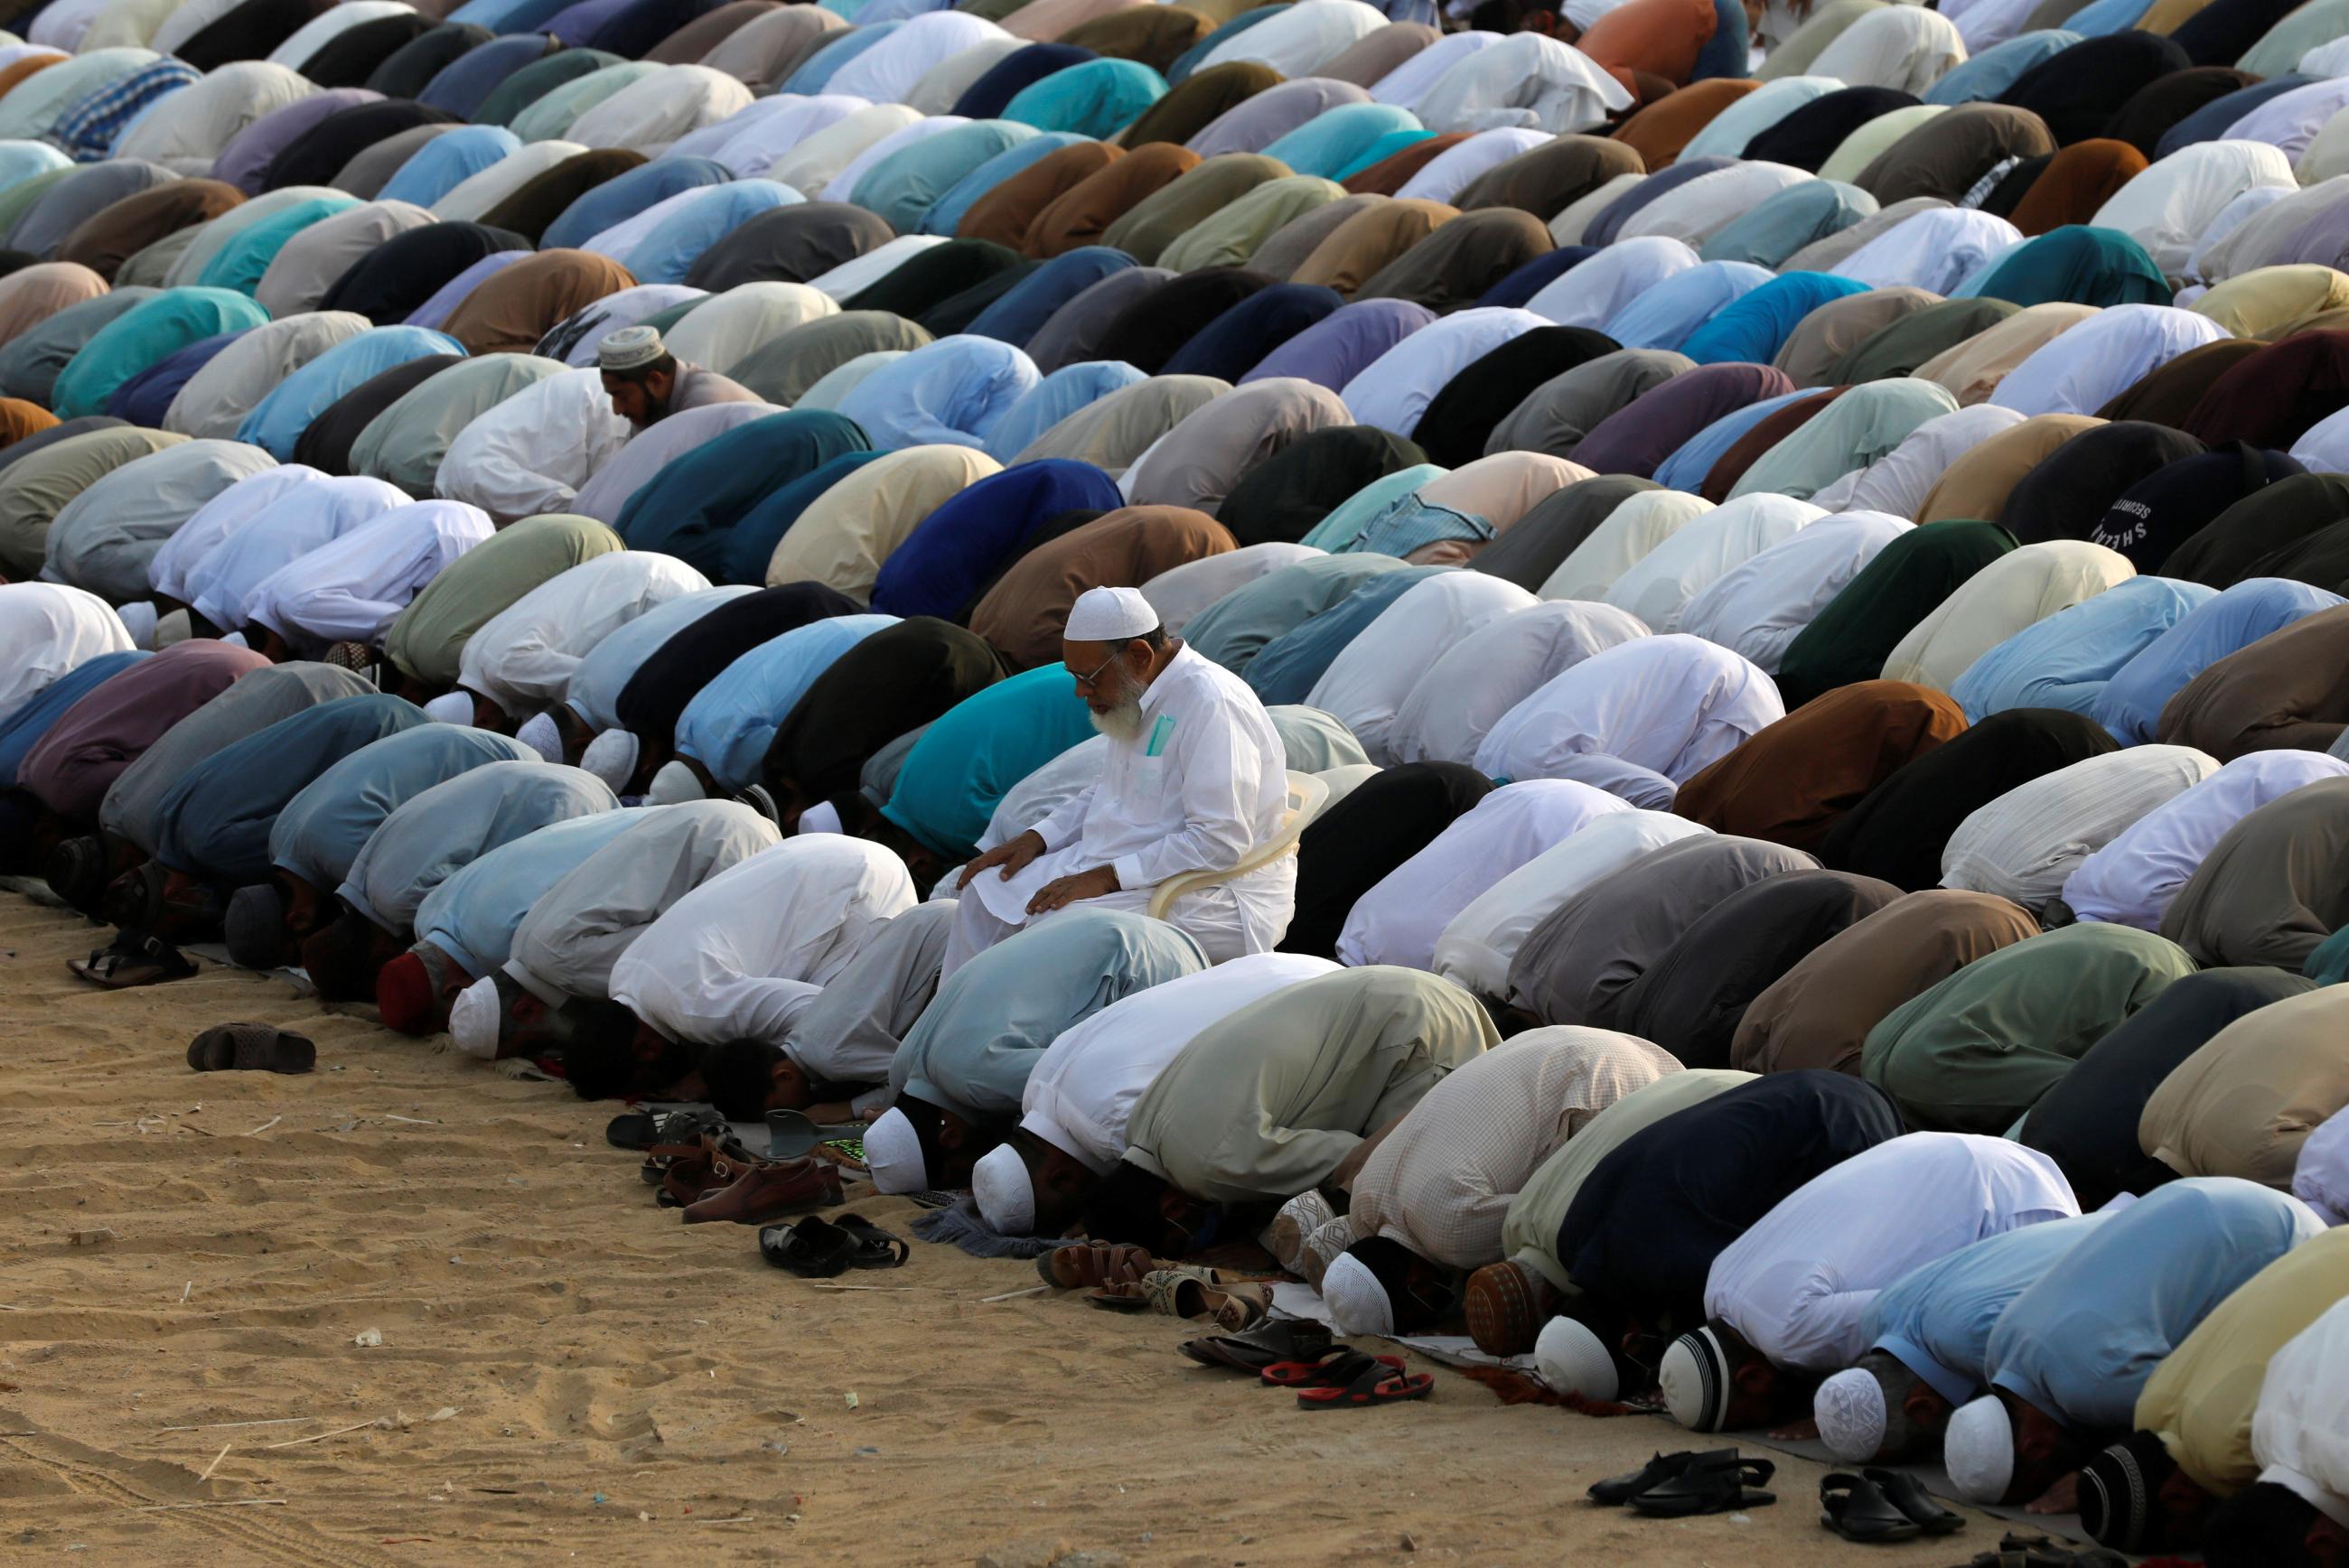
[(187, 1264)]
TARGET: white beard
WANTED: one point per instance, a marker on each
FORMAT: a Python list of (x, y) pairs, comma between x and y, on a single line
[(1122, 723)]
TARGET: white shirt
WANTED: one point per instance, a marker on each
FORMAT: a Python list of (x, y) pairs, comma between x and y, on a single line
[(653, 112), (1084, 1086), (1407, 83), (2168, 208), (1759, 606), (1181, 591), (532, 452), (1797, 1283), (523, 657), (313, 513), (2025, 844), (1905, 48), (2320, 1177), (1898, 481), (1299, 38), (103, 538), (1525, 80), (2300, 1428), (1671, 704), (1658, 586), (1477, 947), (47, 629), (1204, 786), (1595, 291), (2021, 588), (2131, 880), (217, 519), (1366, 684), (2102, 358), (1694, 212), (740, 957), (1394, 390), (1629, 534), (1471, 683), (353, 589), (1401, 918), (596, 684), (1937, 250), (1450, 172), (754, 139)]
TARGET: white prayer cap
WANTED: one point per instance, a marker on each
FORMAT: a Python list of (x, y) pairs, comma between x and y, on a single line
[(1695, 1378), (893, 1154), (823, 816), (1571, 1360), (1358, 1302), (673, 783), (1007, 1199), (450, 708), (630, 348), (1978, 1450), (236, 640), (473, 1019), (611, 757), (1110, 615), (176, 627), (139, 620), (540, 735), (1850, 1410)]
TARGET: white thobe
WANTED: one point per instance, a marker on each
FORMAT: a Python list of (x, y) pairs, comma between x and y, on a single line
[(532, 452), (2131, 880), (304, 519), (1658, 586), (1182, 591), (743, 954), (1083, 1088), (353, 589), (1477, 947), (521, 659), (1673, 704), (2102, 358), (1797, 1283), (1761, 605), (1202, 788), (1898, 481), (1366, 684), (46, 629), (218, 518), (2300, 1428), (1401, 918), (1480, 677), (2024, 844)]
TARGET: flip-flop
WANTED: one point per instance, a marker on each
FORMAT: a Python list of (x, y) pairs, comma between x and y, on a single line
[(134, 959), (1721, 1486), (1855, 1508), (1376, 1384), (632, 1130), (1334, 1372), (1907, 1494), (250, 1048), (1617, 1490), (1275, 1340)]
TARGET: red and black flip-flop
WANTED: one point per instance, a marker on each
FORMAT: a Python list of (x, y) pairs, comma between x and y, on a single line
[(1330, 1372), (1376, 1384)]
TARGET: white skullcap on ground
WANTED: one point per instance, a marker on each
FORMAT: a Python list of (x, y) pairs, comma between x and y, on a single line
[(1571, 1360), (1978, 1450), (236, 640), (1695, 1378), (473, 1019), (630, 348), (673, 783), (611, 757), (1110, 615), (1007, 1199), (176, 627), (1358, 1302), (893, 1154), (139, 620), (823, 816), (450, 708), (1850, 1410), (540, 735)]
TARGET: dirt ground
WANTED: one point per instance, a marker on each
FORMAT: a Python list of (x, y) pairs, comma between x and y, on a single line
[(188, 1265)]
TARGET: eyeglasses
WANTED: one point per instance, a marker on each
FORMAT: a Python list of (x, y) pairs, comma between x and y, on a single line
[(1087, 681)]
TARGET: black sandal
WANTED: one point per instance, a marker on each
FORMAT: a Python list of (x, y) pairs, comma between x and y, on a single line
[(1617, 1490), (250, 1048), (1907, 1494), (813, 1248), (1855, 1508), (1275, 1340), (875, 1248), (1716, 1485), (136, 958)]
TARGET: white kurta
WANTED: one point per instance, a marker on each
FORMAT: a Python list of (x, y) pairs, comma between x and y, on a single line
[(46, 629), (1182, 591), (2102, 358), (1634, 530), (1477, 947), (1761, 605), (1594, 291), (1658, 586), (1898, 481), (2025, 844), (1366, 684), (2168, 208), (1471, 683), (1937, 250), (1671, 704), (314, 513), (532, 452), (1525, 80), (217, 519), (743, 954), (1082, 1088), (353, 589), (523, 657), (2131, 880), (2300, 1428), (1404, 914), (1798, 1282)]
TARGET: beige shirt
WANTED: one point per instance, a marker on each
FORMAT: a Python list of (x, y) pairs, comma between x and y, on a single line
[(2244, 1103)]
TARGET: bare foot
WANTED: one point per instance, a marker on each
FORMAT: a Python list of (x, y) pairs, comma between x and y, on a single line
[(2064, 1497)]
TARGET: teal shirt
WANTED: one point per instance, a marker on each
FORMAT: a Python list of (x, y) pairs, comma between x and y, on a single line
[(968, 760)]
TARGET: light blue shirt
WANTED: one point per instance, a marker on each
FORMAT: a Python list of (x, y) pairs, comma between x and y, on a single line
[(447, 162), (2130, 704), (1666, 312), (2080, 1343), (2064, 660), (322, 830), (472, 916), (596, 683), (278, 420), (448, 827), (1053, 399), (1937, 1318), (729, 722)]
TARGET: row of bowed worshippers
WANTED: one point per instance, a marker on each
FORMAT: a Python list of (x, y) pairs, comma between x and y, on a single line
[(1799, 600)]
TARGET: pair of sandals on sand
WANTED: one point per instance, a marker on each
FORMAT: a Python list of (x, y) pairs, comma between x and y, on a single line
[(1302, 1355), (132, 958), (1878, 1505)]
